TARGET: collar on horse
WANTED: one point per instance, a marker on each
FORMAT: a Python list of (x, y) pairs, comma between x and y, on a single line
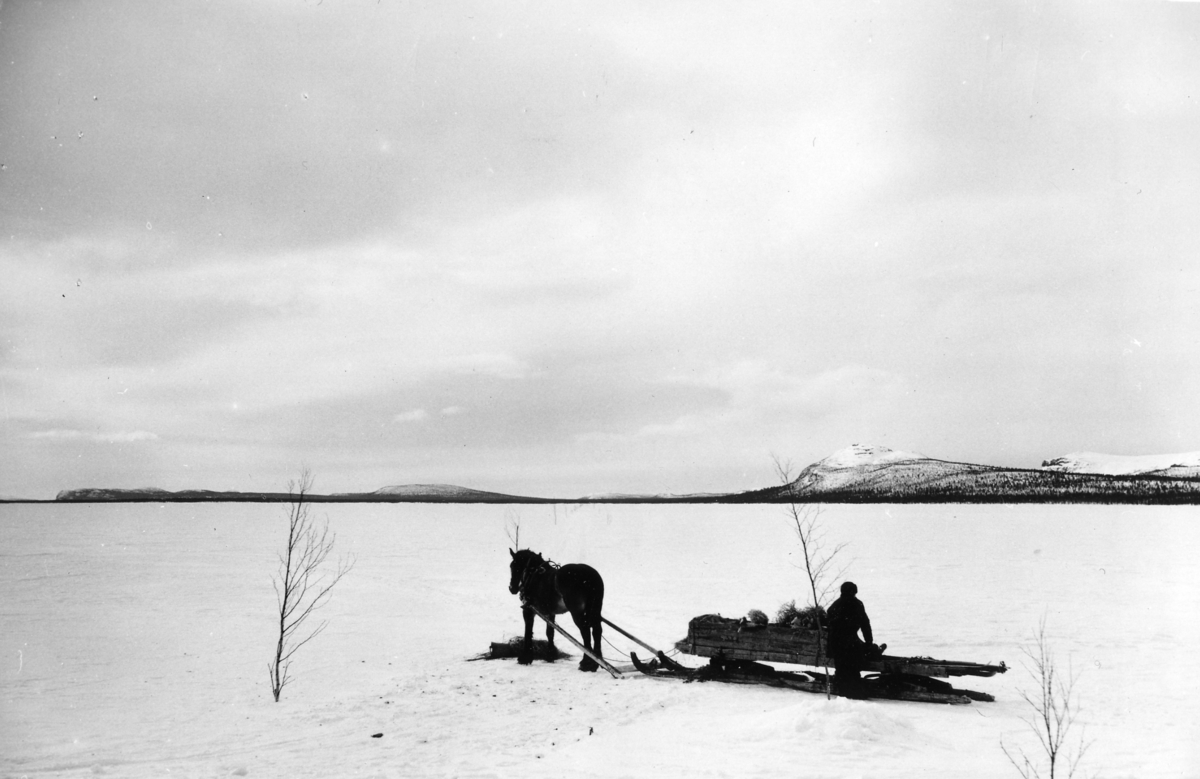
[(532, 571)]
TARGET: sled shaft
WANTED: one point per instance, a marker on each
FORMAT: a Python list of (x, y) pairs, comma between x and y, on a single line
[(599, 660), (629, 635)]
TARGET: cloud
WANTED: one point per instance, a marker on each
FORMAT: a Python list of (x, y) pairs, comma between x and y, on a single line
[(620, 236), (79, 304), (221, 129), (562, 396), (545, 252), (80, 435), (503, 366), (758, 394)]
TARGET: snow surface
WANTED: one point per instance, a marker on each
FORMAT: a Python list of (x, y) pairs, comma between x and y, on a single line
[(134, 641), (1121, 465)]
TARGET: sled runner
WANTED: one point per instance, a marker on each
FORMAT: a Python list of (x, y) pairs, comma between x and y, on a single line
[(903, 687)]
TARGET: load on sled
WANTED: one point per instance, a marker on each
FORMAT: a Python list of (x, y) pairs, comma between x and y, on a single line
[(739, 648)]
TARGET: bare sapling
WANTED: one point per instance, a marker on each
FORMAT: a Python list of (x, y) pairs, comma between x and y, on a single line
[(1053, 718), (512, 528), (303, 582), (818, 559)]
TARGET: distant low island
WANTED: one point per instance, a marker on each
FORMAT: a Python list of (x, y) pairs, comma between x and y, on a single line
[(857, 474)]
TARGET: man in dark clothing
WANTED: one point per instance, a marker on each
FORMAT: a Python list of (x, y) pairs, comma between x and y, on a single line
[(847, 616)]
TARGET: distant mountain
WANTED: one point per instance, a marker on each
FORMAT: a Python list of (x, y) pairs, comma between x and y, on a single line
[(450, 493), (157, 495), (876, 470), (660, 497), (856, 474), (1178, 466), (409, 493), (875, 474), (92, 494), (402, 493), (869, 467), (436, 493)]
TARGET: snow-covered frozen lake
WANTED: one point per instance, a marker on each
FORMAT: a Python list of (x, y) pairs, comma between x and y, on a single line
[(134, 641)]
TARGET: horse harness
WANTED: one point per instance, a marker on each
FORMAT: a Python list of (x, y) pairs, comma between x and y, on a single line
[(531, 571)]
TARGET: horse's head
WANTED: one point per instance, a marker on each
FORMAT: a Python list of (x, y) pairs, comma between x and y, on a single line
[(522, 561)]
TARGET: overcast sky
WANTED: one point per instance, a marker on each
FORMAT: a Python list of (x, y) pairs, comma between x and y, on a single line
[(560, 248)]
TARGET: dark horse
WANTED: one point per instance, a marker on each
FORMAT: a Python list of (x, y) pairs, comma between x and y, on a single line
[(554, 589)]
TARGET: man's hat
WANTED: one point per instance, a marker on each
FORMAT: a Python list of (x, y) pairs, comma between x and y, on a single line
[(849, 588)]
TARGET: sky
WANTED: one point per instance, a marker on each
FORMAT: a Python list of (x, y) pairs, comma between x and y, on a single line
[(559, 249)]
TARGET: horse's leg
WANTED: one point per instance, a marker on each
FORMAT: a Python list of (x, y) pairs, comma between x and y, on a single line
[(593, 616), (551, 650), (526, 655), (592, 609), (596, 632), (581, 622)]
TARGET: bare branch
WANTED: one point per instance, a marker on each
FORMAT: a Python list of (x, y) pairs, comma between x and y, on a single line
[(784, 469), (805, 523), (1054, 709), (301, 585), (512, 528)]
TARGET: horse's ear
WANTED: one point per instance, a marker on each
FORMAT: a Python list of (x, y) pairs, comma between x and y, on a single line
[(511, 552)]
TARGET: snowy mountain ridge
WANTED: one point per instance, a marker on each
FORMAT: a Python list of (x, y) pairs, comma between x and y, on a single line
[(864, 473), (1184, 464), (859, 455), (860, 466)]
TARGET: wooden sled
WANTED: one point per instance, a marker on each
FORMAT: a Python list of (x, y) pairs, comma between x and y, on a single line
[(737, 650)]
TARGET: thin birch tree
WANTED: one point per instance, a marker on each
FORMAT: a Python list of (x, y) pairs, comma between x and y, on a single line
[(512, 528), (303, 581), (818, 558), (1053, 719)]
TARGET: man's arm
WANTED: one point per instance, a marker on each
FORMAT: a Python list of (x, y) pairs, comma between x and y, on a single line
[(866, 625)]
